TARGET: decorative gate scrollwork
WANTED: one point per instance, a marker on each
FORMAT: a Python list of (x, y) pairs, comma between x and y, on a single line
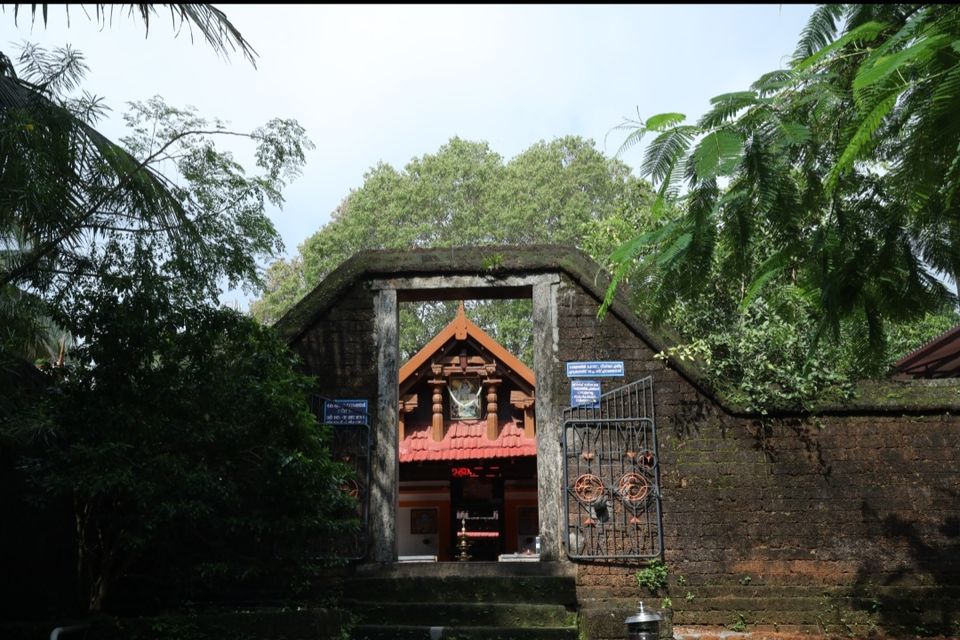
[(612, 476), (350, 445)]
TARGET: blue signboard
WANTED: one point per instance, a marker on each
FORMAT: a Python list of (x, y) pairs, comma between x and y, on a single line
[(585, 394), (603, 369), (345, 412)]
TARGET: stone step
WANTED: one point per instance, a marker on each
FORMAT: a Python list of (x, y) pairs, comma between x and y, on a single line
[(522, 615), (481, 589), (384, 632), (465, 569)]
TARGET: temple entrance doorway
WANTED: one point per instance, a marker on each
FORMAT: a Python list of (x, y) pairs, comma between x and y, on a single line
[(493, 505), (467, 450)]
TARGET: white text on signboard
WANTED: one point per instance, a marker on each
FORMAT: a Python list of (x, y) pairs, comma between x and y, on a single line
[(585, 394), (596, 369), (345, 412)]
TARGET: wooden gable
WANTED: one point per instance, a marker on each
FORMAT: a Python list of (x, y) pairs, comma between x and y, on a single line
[(463, 357)]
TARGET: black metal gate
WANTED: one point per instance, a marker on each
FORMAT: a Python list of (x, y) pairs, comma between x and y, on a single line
[(612, 476), (350, 445)]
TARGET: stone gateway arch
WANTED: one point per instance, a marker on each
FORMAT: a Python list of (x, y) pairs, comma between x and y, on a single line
[(849, 504)]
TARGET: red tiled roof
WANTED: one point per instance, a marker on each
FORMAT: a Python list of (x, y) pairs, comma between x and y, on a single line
[(466, 441), (939, 358)]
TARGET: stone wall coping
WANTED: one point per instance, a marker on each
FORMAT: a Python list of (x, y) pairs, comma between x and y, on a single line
[(497, 262)]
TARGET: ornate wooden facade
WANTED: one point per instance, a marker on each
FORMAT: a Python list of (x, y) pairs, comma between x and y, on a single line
[(467, 446)]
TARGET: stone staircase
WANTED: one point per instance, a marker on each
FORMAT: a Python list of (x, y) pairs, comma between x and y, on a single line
[(475, 600)]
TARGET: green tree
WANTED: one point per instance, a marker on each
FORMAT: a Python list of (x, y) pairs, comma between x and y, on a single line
[(66, 193), (785, 216), (563, 191), (835, 175), (181, 435), (138, 428), (63, 182)]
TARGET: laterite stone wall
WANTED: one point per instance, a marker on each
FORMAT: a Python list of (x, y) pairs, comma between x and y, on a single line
[(842, 523), (340, 348), (847, 521)]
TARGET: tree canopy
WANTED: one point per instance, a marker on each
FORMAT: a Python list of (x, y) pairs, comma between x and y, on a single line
[(69, 196), (181, 432), (175, 434), (65, 186), (835, 177), (563, 191)]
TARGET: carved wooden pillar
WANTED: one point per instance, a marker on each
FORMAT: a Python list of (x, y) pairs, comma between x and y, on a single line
[(408, 404), (493, 422), (525, 403), (437, 409)]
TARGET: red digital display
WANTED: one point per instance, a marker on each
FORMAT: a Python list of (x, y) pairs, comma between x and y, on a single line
[(463, 472)]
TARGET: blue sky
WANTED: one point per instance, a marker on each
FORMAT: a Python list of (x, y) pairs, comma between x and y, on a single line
[(387, 83)]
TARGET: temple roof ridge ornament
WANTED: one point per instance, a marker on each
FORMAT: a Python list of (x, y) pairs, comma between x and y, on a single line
[(460, 322)]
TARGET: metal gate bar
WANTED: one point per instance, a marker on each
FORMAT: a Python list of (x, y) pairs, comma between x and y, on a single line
[(612, 476)]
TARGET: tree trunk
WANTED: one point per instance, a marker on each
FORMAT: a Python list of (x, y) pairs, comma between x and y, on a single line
[(98, 593), (96, 557)]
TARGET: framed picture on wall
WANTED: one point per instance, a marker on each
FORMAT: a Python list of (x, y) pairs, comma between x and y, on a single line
[(423, 521), (464, 398)]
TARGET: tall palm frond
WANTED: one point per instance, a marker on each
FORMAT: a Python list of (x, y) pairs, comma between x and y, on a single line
[(212, 23), (27, 329), (61, 179)]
